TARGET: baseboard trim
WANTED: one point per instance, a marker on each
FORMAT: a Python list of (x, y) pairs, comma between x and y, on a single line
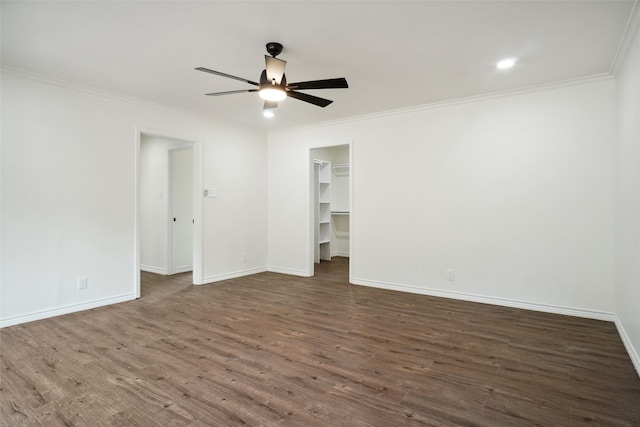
[(547, 308), (290, 271), (184, 269), (67, 309), (151, 269), (233, 275), (635, 359)]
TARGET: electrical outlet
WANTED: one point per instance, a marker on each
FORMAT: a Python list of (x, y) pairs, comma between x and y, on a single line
[(82, 282), (450, 275)]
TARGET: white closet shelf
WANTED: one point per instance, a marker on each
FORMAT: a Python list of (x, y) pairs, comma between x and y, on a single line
[(322, 170), (340, 169), (340, 213)]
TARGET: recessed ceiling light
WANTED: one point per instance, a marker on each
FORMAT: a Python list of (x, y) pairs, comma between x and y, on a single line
[(506, 63), (268, 113)]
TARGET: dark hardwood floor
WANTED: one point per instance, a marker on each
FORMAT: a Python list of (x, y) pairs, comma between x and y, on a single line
[(276, 350)]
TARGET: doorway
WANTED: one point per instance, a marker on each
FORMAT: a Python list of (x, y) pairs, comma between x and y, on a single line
[(331, 217), (168, 205)]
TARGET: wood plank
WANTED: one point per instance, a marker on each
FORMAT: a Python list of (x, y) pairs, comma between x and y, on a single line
[(273, 350)]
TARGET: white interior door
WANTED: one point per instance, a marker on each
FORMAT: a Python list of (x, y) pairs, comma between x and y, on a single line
[(182, 210)]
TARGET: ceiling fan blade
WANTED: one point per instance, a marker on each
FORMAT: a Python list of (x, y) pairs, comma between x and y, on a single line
[(339, 83), (232, 92), (229, 76), (275, 68), (268, 105), (320, 102)]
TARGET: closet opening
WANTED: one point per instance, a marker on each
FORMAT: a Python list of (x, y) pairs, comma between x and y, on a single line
[(331, 210)]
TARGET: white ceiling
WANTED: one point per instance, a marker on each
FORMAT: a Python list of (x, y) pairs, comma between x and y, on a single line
[(394, 54)]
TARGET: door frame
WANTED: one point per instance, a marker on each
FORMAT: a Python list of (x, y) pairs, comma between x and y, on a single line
[(311, 204), (198, 183)]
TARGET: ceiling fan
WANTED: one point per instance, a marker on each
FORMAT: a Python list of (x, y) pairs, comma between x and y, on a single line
[(273, 86)]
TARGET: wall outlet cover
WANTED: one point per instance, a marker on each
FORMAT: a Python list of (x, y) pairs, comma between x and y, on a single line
[(82, 282)]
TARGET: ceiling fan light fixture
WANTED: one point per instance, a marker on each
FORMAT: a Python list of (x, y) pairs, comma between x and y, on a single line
[(268, 114), (272, 94)]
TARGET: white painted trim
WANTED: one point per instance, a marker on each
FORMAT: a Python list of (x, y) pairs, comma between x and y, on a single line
[(311, 215), (233, 275), (151, 269), (198, 212), (169, 213), (164, 272), (136, 212), (352, 211), (289, 271), (71, 308), (449, 103), (434, 105), (633, 24), (342, 254), (635, 359), (547, 308), (41, 78)]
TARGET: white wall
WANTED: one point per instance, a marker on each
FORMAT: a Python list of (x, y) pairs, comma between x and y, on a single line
[(627, 290), (154, 198), (514, 193), (68, 196)]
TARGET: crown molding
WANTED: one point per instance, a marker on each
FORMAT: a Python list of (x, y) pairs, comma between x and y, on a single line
[(40, 78), (630, 30), (389, 113), (446, 104)]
